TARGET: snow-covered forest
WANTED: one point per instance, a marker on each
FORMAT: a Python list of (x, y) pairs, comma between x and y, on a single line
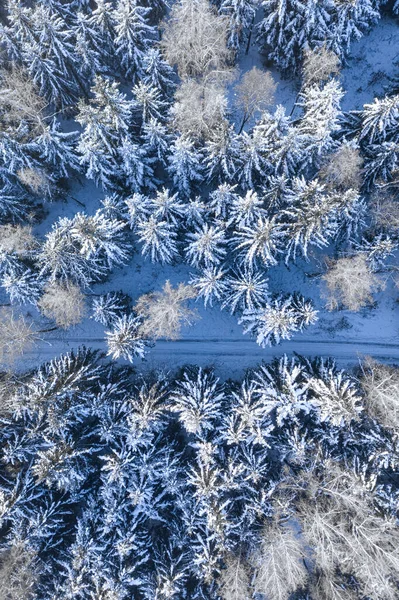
[(199, 300)]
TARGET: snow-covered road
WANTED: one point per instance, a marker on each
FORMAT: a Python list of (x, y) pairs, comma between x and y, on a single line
[(230, 356)]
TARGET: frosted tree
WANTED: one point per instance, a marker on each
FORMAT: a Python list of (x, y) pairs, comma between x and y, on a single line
[(64, 303), (200, 108), (195, 212), (351, 283), (158, 239), (260, 242), (125, 339), (255, 93), (165, 312), (205, 246), (246, 290), (235, 583), (343, 168), (133, 37), (319, 65), (17, 335), (184, 165), (279, 562), (197, 51), (210, 285), (381, 385)]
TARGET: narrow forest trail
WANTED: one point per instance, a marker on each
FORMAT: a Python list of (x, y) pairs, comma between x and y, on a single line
[(231, 357)]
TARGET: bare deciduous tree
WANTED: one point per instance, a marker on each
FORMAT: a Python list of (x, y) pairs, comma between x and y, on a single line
[(350, 283), (16, 335), (235, 582), (346, 536), (255, 92), (18, 239), (344, 168), (165, 312), (280, 568), (385, 209), (381, 385), (19, 100), (36, 180), (319, 65), (63, 302), (17, 576), (195, 39), (199, 108)]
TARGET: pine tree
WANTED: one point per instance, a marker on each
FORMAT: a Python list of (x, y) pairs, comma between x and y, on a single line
[(222, 199), (246, 210), (157, 140), (148, 103), (210, 285), (136, 164), (197, 399), (158, 239), (109, 307), (223, 155), (205, 246), (184, 165), (241, 15), (124, 340), (321, 108), (133, 36), (262, 241), (102, 22), (289, 27), (158, 73), (89, 47), (167, 207), (57, 149), (246, 290), (278, 320)]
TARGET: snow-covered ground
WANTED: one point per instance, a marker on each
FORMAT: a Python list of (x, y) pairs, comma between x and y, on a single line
[(216, 338)]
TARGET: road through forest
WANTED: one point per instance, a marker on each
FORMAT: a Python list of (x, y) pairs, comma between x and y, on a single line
[(230, 357)]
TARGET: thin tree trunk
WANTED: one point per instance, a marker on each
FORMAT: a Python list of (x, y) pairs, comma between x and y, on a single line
[(250, 35)]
